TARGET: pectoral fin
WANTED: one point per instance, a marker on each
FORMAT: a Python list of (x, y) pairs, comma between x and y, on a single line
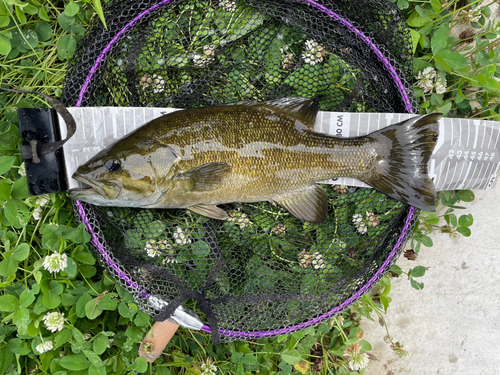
[(209, 210), (205, 177), (308, 205)]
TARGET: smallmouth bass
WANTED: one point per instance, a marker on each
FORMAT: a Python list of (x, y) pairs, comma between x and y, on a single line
[(249, 152)]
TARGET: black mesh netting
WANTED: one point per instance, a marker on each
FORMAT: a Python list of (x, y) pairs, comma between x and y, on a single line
[(262, 272)]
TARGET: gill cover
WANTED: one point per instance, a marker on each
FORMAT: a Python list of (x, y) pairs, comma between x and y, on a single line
[(119, 177)]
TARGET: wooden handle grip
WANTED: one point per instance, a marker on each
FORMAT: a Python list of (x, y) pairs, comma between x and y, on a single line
[(157, 339)]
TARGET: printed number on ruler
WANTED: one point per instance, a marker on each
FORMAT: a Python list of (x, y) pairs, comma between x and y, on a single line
[(340, 123), (492, 181), (472, 154)]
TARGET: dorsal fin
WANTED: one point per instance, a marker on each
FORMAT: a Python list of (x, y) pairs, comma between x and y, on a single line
[(305, 109)]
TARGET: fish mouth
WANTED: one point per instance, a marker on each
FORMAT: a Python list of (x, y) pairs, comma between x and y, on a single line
[(93, 189)]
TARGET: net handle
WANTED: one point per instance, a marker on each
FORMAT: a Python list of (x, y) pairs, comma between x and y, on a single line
[(157, 339)]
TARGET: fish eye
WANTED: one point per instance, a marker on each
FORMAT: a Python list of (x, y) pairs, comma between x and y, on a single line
[(113, 165)]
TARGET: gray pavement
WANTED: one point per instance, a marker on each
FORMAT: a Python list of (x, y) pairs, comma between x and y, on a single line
[(452, 326)]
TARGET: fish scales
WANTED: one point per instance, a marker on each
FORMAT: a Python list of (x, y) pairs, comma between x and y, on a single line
[(251, 152), (269, 153)]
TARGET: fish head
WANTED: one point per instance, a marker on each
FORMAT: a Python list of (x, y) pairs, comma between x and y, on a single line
[(130, 175)]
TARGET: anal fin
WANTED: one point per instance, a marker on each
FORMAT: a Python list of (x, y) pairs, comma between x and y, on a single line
[(308, 205), (209, 210)]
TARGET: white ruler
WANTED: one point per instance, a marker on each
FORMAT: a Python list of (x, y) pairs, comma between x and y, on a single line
[(467, 154)]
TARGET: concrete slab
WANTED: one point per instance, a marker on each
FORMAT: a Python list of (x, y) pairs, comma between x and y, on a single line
[(452, 326)]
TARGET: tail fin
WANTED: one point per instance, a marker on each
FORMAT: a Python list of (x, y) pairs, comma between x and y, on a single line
[(406, 150)]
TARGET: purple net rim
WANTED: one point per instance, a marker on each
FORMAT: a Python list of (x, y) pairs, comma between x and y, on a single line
[(337, 309), (129, 282), (387, 64)]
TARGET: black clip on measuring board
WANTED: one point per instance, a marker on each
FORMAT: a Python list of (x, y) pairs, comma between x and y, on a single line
[(41, 125)]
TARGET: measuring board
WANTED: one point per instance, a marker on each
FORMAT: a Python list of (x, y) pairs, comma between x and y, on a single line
[(467, 154)]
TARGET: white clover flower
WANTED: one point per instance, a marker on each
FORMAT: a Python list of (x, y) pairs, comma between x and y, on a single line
[(426, 78), (358, 361), (37, 213), (286, 58), (468, 16), (317, 261), (208, 56), (111, 341), (152, 249), (145, 81), (372, 219), (170, 258), (426, 85), (279, 230), (314, 52), (239, 218), (155, 247), (197, 59), (55, 262), (152, 252), (42, 200), (54, 321), (208, 367), (22, 169), (158, 84), (428, 72), (440, 87), (180, 237), (429, 80), (44, 347), (304, 258), (359, 223), (87, 336), (228, 5), (341, 189)]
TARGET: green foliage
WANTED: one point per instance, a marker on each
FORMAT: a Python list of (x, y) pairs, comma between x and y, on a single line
[(430, 222), (466, 64)]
